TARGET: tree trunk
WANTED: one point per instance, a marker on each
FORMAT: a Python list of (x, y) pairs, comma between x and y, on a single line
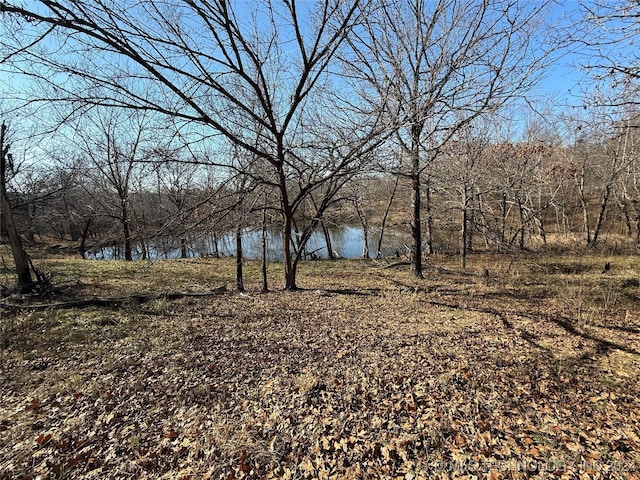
[(483, 216), (416, 230), (384, 218), (183, 248), (364, 223), (365, 246), (539, 217), (265, 283), (470, 226), (239, 278), (31, 234), (601, 215), (541, 228), (624, 208), (20, 257), (73, 231), (73, 227), (327, 238), (83, 248), (585, 209), (296, 240), (416, 233), (124, 211), (325, 232), (463, 232), (216, 250), (289, 263), (523, 222), (585, 220), (503, 224)]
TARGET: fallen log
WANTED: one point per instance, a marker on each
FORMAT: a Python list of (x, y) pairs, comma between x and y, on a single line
[(398, 264)]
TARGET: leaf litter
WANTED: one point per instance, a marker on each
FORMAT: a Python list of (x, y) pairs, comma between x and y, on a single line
[(384, 377)]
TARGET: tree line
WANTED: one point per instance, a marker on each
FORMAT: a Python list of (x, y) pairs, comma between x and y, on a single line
[(165, 119)]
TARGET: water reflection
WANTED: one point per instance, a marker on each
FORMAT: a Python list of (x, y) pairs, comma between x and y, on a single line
[(347, 242)]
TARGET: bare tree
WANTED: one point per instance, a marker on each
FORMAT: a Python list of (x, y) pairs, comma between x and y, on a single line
[(391, 189), (600, 156), (114, 146), (178, 183), (628, 191), (435, 66), (20, 258), (608, 38), (35, 186), (358, 196), (370, 197), (462, 161), (228, 69)]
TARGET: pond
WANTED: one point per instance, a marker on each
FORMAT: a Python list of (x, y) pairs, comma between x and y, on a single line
[(346, 241)]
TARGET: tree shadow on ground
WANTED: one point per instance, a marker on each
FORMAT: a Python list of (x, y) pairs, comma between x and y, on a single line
[(601, 345)]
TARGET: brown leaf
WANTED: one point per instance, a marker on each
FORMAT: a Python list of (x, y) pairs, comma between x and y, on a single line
[(33, 406), (43, 439)]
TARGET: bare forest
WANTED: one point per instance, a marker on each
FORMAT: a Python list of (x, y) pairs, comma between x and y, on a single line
[(380, 239)]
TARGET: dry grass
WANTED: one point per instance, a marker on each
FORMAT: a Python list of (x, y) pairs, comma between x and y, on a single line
[(366, 373)]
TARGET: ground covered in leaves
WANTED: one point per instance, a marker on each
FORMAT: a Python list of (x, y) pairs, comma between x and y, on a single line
[(531, 372)]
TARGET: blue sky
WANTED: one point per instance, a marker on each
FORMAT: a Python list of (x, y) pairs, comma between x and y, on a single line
[(564, 79), (564, 82)]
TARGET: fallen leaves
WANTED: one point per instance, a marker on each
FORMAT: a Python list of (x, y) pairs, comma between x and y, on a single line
[(394, 384)]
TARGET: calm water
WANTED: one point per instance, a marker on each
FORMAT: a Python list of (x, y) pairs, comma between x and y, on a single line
[(347, 242)]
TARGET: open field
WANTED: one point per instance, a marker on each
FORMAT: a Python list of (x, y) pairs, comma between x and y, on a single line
[(366, 373)]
